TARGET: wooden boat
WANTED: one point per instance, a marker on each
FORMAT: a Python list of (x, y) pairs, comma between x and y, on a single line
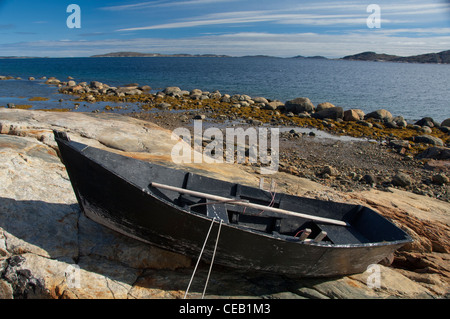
[(259, 230)]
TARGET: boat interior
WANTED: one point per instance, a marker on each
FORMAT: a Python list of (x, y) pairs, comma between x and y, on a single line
[(287, 227)]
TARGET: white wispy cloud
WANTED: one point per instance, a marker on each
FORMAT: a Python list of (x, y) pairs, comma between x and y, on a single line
[(163, 3), (241, 17), (416, 31), (415, 7), (346, 13)]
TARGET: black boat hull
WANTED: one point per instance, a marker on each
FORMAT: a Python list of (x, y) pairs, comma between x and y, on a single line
[(114, 191)]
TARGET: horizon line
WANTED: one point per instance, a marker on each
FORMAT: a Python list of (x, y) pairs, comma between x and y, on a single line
[(157, 55)]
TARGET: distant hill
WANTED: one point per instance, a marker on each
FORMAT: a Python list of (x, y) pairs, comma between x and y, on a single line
[(259, 56), (441, 57), (319, 57), (140, 55), (19, 57), (150, 55)]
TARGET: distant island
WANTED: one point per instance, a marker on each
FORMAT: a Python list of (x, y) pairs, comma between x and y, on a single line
[(154, 55), (441, 57), (434, 58), (183, 55), (20, 57), (318, 57)]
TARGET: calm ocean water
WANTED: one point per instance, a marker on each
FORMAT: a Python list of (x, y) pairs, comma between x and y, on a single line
[(411, 90)]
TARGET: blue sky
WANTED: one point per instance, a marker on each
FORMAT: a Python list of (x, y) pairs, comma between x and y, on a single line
[(234, 27)]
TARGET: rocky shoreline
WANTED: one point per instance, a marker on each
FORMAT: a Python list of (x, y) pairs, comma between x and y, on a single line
[(403, 148), (297, 111), (44, 236), (410, 156)]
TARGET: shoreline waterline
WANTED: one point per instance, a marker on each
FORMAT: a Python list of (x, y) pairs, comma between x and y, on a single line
[(379, 125), (413, 91)]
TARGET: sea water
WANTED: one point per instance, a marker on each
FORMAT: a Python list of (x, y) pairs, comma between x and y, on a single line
[(411, 90)]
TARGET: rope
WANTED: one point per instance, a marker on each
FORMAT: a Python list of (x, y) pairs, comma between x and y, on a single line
[(212, 260), (198, 260), (301, 231), (272, 188)]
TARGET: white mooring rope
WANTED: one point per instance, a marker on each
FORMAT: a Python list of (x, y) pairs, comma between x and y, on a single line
[(212, 260), (200, 256)]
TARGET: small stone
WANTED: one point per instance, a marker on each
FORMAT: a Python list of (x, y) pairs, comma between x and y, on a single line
[(402, 180), (215, 95), (333, 113), (353, 115), (378, 125), (172, 90), (304, 115), (53, 81), (330, 170), (426, 129), (133, 92), (225, 98), (96, 85), (446, 122), (399, 144), (364, 123), (259, 99), (428, 139), (145, 88), (445, 129), (164, 106), (369, 179), (299, 105), (434, 152), (440, 179), (390, 124), (324, 106), (402, 123), (273, 105), (194, 92), (382, 114), (427, 121)]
